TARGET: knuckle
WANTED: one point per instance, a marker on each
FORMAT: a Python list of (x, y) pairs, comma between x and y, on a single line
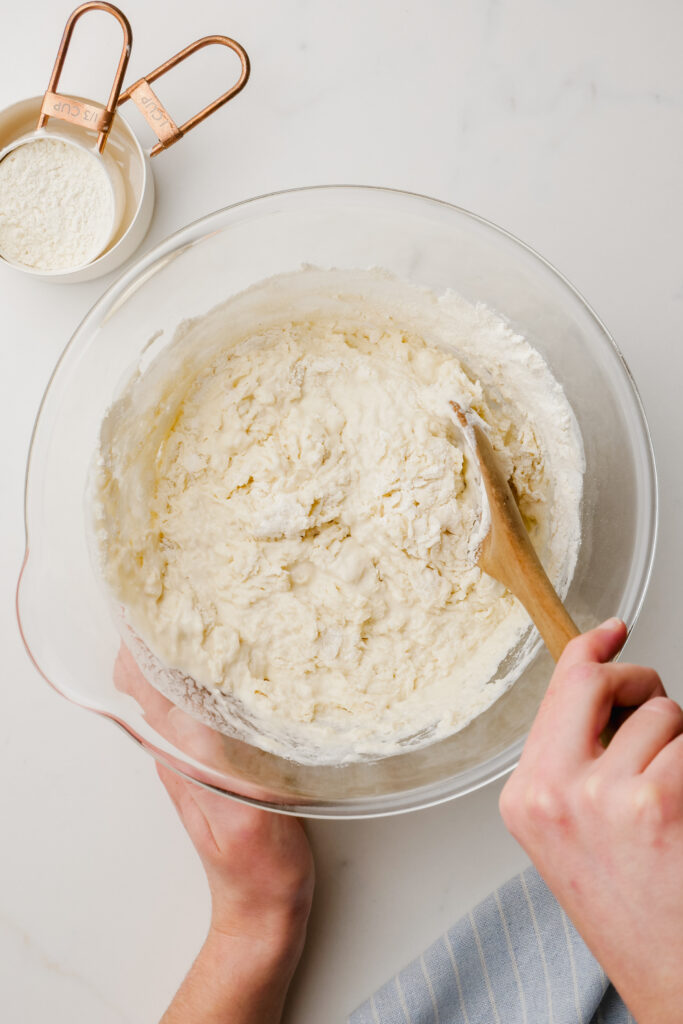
[(651, 803), (545, 804), (592, 790)]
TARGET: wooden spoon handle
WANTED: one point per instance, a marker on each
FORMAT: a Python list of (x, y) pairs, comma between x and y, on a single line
[(508, 555), (549, 615)]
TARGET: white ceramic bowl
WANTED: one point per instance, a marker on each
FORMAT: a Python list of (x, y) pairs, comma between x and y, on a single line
[(127, 159)]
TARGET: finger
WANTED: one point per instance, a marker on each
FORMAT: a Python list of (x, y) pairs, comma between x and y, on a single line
[(129, 679), (579, 708), (666, 767), (595, 647), (232, 818), (642, 736), (181, 792), (196, 739), (600, 644)]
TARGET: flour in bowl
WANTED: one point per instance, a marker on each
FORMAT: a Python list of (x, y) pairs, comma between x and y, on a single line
[(288, 512), (56, 205)]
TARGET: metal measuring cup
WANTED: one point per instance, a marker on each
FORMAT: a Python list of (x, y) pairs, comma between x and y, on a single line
[(126, 163)]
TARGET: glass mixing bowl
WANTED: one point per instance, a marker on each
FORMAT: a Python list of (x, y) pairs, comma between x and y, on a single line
[(63, 611)]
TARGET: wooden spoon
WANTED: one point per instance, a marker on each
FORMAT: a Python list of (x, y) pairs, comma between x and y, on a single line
[(507, 554)]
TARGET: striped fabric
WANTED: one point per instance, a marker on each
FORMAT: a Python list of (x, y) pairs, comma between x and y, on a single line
[(515, 959)]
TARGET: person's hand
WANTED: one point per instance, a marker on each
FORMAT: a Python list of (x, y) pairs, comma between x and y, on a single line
[(605, 826), (258, 865), (260, 872)]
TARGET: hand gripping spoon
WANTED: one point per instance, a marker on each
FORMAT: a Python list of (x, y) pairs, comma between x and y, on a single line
[(506, 552)]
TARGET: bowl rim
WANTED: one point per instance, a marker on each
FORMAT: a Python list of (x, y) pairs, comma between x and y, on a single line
[(135, 274)]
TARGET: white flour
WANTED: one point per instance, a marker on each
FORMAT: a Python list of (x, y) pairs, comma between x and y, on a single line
[(56, 205), (289, 513)]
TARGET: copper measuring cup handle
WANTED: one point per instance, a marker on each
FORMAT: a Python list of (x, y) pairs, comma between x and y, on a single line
[(66, 108), (153, 110)]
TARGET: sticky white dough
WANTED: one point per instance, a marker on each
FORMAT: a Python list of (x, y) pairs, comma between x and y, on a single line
[(289, 514)]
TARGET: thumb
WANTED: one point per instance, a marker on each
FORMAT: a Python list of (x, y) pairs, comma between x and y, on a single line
[(600, 644)]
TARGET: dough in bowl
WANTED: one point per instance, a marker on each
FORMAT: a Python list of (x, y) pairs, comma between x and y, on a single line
[(287, 513)]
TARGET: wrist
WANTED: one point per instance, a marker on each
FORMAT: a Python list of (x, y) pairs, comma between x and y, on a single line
[(234, 980), (269, 933), (260, 944)]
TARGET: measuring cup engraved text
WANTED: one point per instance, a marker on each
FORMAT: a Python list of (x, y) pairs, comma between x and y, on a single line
[(156, 112), (66, 108), (76, 112), (126, 163), (153, 110)]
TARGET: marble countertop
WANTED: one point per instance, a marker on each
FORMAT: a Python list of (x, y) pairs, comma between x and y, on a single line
[(562, 122)]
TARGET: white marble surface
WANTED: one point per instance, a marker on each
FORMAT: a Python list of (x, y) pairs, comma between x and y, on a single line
[(561, 121)]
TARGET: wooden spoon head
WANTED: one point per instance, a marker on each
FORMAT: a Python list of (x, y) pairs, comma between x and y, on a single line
[(506, 530), (506, 552)]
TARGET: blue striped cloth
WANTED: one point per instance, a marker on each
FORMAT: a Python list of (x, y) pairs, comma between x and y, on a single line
[(515, 959)]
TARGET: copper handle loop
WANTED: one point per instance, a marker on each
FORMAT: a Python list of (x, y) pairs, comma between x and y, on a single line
[(154, 112), (88, 115)]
